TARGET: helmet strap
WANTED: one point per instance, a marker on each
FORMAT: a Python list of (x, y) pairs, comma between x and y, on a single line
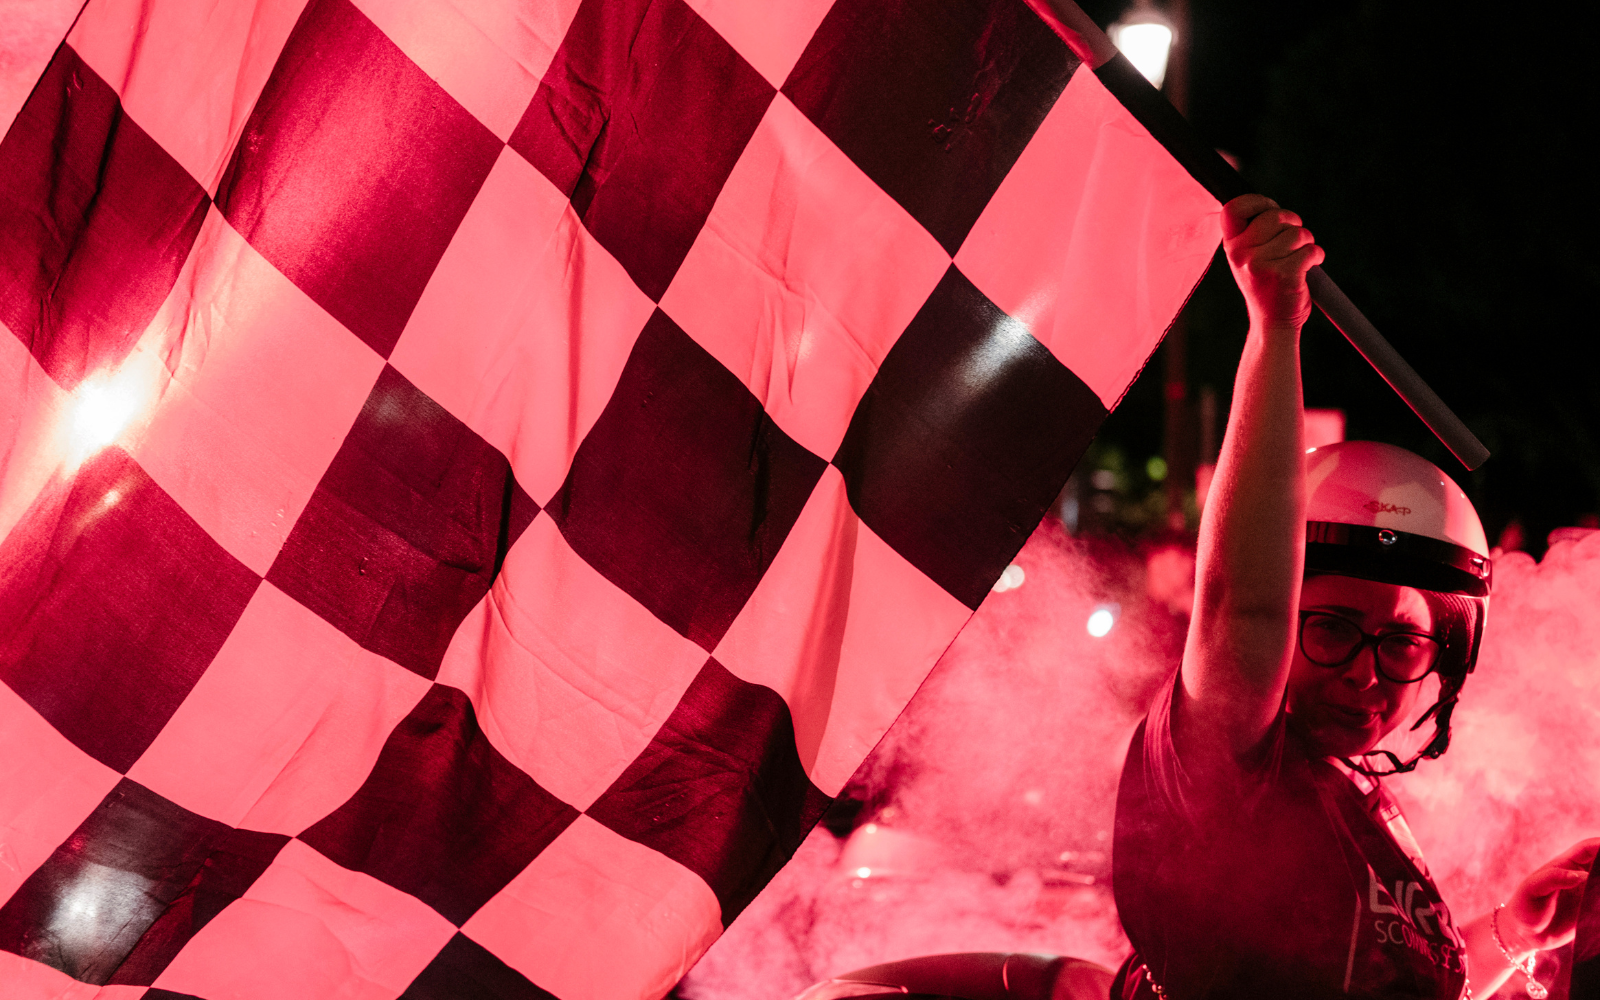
[(1440, 713)]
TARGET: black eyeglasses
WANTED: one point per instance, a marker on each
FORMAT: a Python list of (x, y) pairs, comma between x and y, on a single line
[(1330, 640)]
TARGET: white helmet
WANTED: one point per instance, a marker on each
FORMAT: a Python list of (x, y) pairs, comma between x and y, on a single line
[(1379, 512)]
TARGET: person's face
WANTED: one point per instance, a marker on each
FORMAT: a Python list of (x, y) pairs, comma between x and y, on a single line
[(1346, 710)]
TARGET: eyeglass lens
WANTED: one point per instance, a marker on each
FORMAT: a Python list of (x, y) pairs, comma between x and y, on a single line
[(1331, 641)]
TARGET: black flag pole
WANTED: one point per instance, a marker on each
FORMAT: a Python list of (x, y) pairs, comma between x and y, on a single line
[(1225, 183)]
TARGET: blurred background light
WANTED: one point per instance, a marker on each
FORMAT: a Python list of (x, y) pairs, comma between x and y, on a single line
[(1145, 36), (1011, 579), (1102, 618)]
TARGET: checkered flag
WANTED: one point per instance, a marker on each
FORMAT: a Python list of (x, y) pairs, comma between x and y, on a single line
[(478, 478)]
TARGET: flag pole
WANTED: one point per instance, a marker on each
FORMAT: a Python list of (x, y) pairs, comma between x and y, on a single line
[(1225, 183)]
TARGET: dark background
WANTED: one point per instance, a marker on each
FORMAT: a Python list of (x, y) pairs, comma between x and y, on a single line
[(1434, 151)]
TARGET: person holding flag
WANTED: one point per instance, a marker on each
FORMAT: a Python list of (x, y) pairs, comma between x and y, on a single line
[(1256, 851)]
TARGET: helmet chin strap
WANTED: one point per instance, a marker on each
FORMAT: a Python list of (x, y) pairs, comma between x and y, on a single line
[(1440, 713)]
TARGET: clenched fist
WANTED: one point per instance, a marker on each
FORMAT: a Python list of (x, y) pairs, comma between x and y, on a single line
[(1270, 253)]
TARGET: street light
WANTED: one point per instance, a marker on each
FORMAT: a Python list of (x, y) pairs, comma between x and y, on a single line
[(1145, 36)]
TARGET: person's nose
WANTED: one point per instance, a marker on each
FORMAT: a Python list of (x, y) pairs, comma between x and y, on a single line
[(1362, 671)]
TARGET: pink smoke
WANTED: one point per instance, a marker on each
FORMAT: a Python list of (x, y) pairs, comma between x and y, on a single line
[(1007, 760), (998, 784), (1521, 777)]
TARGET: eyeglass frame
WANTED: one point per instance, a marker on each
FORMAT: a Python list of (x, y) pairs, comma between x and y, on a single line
[(1368, 639)]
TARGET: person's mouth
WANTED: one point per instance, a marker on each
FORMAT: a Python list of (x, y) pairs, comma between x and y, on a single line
[(1351, 716)]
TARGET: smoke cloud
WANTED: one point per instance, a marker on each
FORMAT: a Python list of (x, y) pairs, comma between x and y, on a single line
[(988, 807), (989, 804), (1522, 779)]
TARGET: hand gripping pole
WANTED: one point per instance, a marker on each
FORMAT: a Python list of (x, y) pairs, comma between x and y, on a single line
[(1224, 183)]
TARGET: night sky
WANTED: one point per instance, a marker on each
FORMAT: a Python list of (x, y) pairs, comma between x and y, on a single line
[(1434, 151)]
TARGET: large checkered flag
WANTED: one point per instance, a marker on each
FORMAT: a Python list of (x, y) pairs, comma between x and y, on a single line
[(479, 477)]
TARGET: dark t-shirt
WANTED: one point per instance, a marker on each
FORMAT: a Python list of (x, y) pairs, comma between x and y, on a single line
[(1308, 887)]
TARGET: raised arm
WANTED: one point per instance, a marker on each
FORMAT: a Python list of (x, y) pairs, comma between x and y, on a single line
[(1252, 533)]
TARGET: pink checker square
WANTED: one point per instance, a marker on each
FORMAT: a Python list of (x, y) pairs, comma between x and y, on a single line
[(284, 726), (844, 629), (597, 917), (194, 106), (803, 277), (489, 55), (791, 632), (769, 36), (265, 385), (47, 788), (525, 325), (1097, 278), (311, 930), (33, 33), (900, 623), (26, 979), (35, 435), (569, 676)]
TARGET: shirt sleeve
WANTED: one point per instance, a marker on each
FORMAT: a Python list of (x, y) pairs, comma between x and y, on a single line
[(1171, 786)]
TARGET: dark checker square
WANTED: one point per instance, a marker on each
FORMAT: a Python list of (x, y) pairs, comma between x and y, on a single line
[(407, 529), (639, 120), (720, 789), (96, 221), (140, 875), (443, 815), (112, 604), (354, 171), (466, 970), (236, 859), (963, 439), (684, 490), (933, 99)]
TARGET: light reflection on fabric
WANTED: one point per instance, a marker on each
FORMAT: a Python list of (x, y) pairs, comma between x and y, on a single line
[(93, 911)]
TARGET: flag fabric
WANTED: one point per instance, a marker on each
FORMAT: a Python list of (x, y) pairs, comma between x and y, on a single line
[(478, 478)]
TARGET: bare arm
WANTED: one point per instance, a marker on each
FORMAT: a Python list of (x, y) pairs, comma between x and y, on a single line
[(1252, 534), (1541, 914)]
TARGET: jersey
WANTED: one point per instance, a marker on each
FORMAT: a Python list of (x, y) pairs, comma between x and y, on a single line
[(1311, 886)]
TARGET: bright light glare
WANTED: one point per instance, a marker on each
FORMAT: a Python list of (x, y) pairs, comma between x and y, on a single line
[(1100, 622), (863, 873), (1011, 579), (103, 410), (1146, 46)]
